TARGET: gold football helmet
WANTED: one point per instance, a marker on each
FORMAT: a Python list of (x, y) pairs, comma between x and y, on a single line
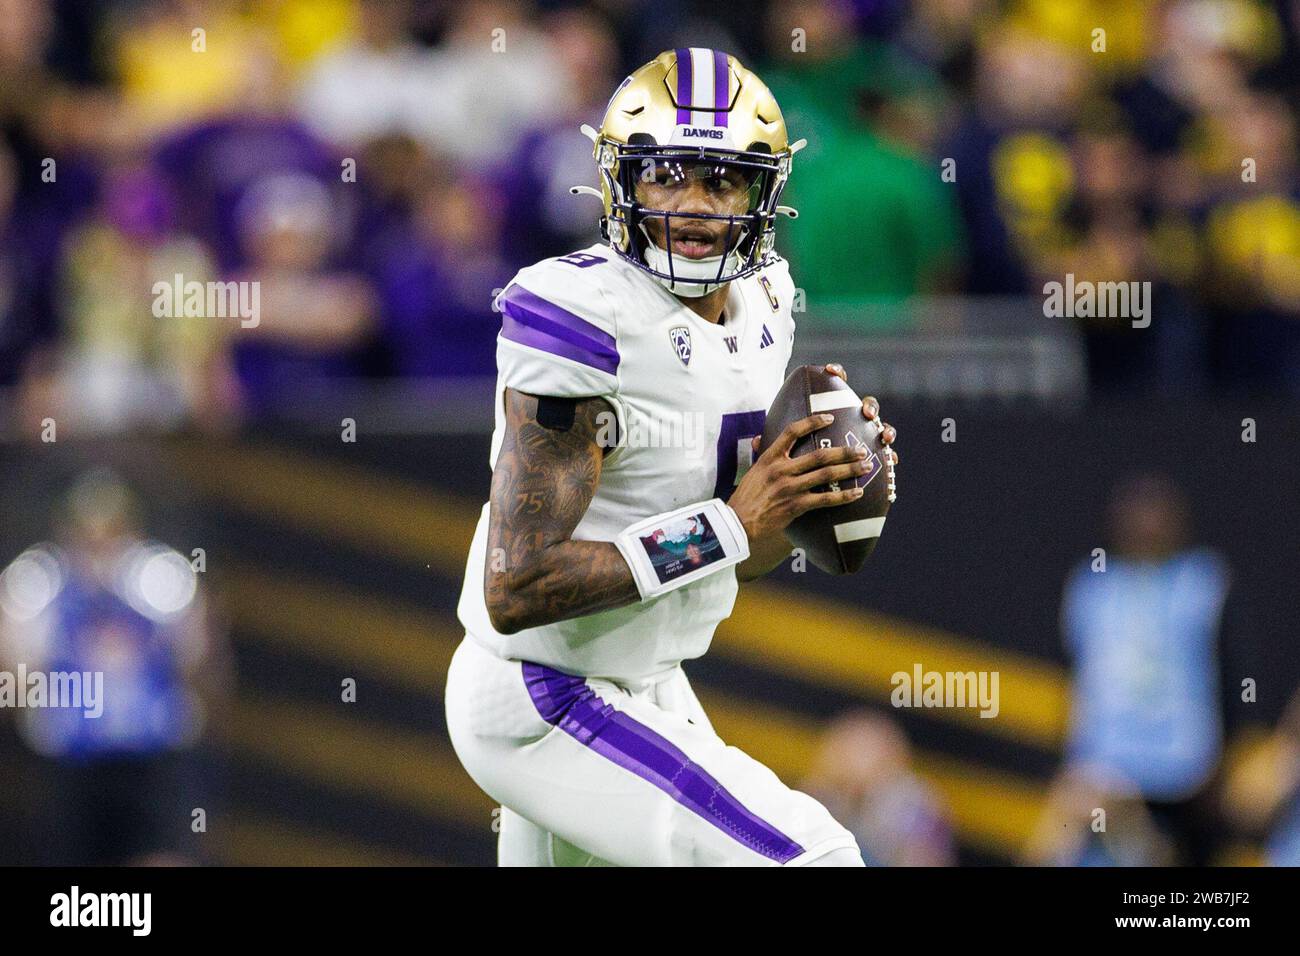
[(692, 112)]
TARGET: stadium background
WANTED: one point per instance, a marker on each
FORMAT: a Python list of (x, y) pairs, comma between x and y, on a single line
[(329, 559)]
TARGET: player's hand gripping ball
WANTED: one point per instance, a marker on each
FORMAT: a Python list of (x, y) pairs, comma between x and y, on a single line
[(837, 539)]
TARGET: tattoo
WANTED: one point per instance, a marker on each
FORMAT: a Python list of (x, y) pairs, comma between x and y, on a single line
[(543, 482)]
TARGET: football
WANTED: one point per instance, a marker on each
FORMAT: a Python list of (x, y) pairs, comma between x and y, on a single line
[(837, 540)]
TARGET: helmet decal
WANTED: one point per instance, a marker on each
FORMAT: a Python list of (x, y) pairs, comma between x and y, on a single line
[(703, 87)]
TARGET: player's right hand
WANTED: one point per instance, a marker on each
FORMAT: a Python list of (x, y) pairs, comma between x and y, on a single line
[(778, 488)]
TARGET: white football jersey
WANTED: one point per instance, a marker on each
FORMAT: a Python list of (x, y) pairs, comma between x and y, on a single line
[(688, 395)]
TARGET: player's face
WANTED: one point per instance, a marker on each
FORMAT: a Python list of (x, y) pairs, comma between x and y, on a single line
[(688, 186)]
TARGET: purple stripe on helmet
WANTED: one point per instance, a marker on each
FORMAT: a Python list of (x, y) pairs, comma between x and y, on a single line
[(530, 320), (685, 85), (720, 88), (565, 701)]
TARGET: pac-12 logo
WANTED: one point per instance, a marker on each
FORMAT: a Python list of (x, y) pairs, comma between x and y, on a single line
[(680, 336)]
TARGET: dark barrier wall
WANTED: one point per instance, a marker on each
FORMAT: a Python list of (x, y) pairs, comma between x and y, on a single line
[(332, 561)]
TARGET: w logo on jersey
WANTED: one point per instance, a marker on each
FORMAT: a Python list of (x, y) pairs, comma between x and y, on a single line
[(766, 340), (731, 342), (680, 336)]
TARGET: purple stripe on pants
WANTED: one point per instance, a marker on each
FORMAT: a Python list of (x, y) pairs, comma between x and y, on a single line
[(720, 99), (565, 701), (530, 320), (685, 82)]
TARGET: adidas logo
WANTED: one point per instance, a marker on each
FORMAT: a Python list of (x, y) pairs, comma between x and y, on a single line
[(767, 338)]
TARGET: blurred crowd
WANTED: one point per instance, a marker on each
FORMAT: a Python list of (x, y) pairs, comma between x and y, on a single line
[(379, 167)]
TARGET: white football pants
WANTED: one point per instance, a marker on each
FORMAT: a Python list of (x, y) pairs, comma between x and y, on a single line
[(592, 773)]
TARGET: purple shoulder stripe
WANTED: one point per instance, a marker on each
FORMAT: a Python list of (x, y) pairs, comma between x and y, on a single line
[(565, 701), (530, 320)]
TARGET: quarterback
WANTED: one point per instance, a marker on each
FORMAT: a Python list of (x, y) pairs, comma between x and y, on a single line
[(600, 564)]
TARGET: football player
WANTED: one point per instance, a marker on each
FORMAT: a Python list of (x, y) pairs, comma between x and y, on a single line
[(603, 561)]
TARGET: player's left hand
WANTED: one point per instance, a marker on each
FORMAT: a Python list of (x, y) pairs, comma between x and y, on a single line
[(870, 411)]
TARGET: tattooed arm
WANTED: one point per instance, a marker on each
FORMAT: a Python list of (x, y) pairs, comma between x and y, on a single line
[(542, 485)]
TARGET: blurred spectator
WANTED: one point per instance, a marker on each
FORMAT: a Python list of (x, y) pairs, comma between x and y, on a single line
[(1013, 172), (1155, 647), (1095, 817), (19, 316), (863, 774), (315, 317), (25, 30), (1252, 239), (168, 75), (302, 30), (120, 366), (213, 164), (550, 157), (1262, 789), (439, 272), (107, 601), (1113, 233), (40, 117), (875, 219), (371, 86), (493, 74)]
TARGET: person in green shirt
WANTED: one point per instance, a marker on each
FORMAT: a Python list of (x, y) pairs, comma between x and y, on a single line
[(877, 223)]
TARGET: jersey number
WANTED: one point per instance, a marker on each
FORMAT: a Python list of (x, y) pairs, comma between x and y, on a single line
[(735, 449), (581, 259)]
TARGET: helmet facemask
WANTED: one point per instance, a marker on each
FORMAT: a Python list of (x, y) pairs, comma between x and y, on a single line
[(750, 182)]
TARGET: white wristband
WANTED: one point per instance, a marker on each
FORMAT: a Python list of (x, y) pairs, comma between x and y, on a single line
[(677, 547)]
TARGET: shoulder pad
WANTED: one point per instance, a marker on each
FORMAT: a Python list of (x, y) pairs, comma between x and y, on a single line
[(559, 333)]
